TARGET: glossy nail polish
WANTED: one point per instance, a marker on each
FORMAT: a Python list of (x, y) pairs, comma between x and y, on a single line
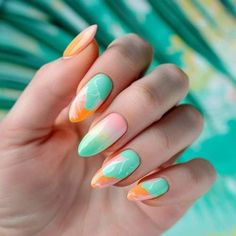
[(116, 169), (90, 97), (148, 189), (102, 135), (81, 41)]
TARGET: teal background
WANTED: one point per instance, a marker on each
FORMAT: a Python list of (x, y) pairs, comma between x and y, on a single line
[(197, 35)]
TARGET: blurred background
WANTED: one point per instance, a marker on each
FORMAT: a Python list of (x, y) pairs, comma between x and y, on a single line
[(197, 35)]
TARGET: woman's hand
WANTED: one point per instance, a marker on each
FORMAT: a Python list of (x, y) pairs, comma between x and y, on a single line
[(138, 130)]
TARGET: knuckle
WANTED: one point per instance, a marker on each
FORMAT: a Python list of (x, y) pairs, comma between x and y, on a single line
[(126, 56), (194, 115), (132, 48), (176, 75), (192, 176), (139, 41), (206, 166), (163, 139), (201, 172), (146, 95)]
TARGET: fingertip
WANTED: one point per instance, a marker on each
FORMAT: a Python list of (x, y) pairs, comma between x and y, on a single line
[(81, 41)]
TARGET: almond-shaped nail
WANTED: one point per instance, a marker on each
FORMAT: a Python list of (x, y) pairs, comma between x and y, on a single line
[(102, 135), (81, 41), (148, 189), (90, 97), (116, 169)]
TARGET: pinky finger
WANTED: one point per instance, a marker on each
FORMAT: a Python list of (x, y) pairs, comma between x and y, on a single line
[(177, 184)]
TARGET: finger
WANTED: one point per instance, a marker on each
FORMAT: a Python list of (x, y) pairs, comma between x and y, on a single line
[(178, 184), (172, 160), (142, 103), (124, 60), (54, 86), (165, 216), (151, 148)]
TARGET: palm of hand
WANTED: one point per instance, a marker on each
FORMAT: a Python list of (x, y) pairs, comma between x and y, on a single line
[(45, 190)]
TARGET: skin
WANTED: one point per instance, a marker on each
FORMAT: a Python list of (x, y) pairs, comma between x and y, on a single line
[(44, 185)]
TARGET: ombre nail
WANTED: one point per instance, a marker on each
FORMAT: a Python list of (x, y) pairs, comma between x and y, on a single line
[(81, 41), (102, 135)]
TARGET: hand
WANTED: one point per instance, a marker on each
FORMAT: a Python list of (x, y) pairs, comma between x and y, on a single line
[(44, 184)]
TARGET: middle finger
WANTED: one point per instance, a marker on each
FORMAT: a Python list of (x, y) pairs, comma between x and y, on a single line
[(134, 109)]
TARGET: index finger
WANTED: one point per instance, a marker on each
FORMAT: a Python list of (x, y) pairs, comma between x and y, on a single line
[(124, 60)]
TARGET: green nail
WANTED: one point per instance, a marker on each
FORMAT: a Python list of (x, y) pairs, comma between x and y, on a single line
[(122, 165), (156, 187), (98, 88), (102, 135)]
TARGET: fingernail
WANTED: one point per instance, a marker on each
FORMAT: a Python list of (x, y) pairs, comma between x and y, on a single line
[(116, 169), (90, 98), (81, 41), (148, 189), (102, 135)]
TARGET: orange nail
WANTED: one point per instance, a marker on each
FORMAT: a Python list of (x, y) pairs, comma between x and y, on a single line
[(137, 193), (148, 189), (101, 181), (81, 41)]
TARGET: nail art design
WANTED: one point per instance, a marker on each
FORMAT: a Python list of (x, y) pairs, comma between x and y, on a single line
[(90, 98), (102, 135), (116, 169), (148, 189), (81, 41)]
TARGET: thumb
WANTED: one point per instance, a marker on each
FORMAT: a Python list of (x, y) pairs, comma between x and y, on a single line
[(54, 85)]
